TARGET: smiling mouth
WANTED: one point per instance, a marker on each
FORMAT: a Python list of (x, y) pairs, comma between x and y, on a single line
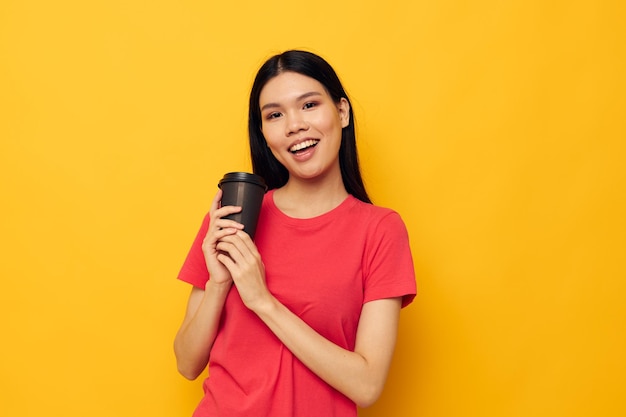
[(310, 143)]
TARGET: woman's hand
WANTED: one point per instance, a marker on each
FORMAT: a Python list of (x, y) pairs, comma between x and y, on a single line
[(219, 228), (240, 256)]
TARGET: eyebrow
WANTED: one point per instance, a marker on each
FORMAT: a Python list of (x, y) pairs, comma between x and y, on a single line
[(299, 98)]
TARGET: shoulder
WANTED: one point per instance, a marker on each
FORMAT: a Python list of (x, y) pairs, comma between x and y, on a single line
[(377, 216)]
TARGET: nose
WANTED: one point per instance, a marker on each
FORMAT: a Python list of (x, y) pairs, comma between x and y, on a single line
[(295, 123)]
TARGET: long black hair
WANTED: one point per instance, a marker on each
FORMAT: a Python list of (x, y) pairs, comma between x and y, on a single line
[(264, 163)]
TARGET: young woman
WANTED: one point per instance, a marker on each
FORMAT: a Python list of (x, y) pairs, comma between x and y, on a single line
[(302, 321)]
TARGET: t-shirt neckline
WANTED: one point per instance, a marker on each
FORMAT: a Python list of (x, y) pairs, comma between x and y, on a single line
[(340, 210)]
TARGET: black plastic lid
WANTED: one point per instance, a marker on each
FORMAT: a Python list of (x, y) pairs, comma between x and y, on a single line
[(243, 177)]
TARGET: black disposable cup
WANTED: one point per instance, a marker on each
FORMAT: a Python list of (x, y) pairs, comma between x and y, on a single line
[(244, 190)]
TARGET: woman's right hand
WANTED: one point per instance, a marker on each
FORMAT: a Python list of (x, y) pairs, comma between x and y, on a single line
[(219, 228)]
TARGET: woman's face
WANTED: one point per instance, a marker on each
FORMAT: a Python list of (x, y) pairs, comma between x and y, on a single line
[(302, 125)]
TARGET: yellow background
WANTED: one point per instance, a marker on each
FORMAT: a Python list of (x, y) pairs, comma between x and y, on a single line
[(496, 129)]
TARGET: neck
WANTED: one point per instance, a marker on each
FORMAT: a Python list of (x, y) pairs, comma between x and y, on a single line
[(309, 198)]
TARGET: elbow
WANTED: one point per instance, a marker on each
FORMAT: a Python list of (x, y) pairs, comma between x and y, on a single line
[(191, 376), (368, 396), (188, 372), (189, 366), (366, 402)]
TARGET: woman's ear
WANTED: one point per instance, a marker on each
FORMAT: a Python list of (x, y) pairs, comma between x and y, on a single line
[(344, 111)]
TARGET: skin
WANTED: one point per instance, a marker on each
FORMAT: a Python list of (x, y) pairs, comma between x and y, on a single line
[(294, 108)]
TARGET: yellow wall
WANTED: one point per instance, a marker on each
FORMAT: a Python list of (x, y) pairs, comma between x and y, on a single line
[(496, 128)]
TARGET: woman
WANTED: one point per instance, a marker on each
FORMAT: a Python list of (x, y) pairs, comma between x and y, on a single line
[(302, 321)]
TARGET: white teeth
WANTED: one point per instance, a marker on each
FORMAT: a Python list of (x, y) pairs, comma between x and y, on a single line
[(302, 145)]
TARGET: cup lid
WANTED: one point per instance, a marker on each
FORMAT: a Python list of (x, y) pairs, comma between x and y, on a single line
[(243, 177)]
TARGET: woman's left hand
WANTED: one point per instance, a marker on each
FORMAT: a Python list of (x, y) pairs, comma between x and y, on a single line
[(242, 259)]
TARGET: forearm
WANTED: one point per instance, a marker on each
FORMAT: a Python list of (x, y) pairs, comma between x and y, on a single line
[(359, 375), (193, 342)]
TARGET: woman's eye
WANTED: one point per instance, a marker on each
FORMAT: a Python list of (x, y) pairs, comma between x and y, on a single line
[(310, 105), (273, 115)]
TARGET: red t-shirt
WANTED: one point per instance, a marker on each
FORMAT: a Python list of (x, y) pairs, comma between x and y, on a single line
[(323, 269)]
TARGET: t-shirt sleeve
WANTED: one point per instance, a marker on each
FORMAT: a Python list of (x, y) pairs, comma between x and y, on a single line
[(389, 269), (194, 270)]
